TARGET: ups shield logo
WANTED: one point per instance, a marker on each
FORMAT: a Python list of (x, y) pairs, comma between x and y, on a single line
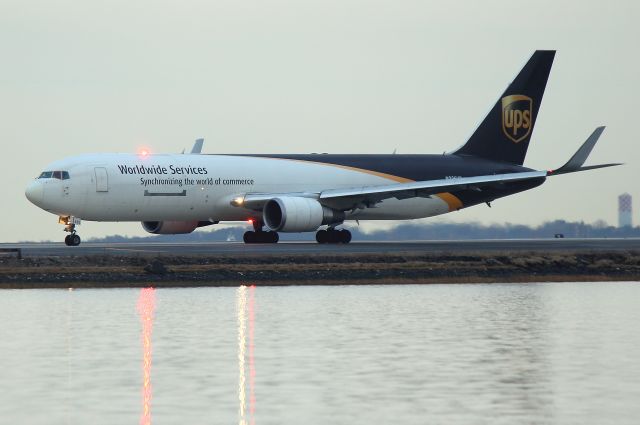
[(516, 117)]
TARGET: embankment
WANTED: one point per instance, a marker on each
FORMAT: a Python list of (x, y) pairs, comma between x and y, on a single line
[(105, 271)]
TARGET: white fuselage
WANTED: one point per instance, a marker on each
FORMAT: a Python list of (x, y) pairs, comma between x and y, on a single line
[(128, 187)]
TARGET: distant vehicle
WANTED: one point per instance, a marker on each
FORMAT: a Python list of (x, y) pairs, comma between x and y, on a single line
[(173, 194), (559, 236)]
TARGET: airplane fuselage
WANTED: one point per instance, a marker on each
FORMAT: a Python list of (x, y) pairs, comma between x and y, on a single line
[(129, 187)]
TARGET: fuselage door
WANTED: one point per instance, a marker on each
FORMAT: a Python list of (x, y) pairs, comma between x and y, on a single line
[(102, 179)]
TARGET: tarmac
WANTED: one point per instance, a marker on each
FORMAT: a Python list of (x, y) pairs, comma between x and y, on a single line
[(309, 248)]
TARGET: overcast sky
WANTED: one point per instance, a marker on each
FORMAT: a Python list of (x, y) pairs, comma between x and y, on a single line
[(296, 76)]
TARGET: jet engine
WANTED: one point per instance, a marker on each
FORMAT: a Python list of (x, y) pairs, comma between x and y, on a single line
[(169, 227), (297, 214)]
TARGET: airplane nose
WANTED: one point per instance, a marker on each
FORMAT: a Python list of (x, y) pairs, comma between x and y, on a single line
[(35, 192)]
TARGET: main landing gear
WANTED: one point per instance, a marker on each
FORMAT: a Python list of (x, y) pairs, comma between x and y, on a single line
[(333, 236), (73, 239), (260, 236)]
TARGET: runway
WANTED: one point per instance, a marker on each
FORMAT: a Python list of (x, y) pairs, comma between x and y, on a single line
[(307, 248)]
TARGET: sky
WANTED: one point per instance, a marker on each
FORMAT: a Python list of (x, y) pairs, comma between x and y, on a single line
[(300, 76)]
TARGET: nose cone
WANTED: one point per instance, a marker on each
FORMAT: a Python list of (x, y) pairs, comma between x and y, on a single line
[(35, 192)]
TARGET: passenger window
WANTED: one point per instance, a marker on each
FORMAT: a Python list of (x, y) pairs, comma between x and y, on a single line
[(57, 175), (65, 175), (46, 175)]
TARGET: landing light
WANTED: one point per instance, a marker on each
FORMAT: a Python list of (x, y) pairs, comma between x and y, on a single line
[(236, 202)]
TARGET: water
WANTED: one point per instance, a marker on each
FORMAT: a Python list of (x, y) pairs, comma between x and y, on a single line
[(565, 353)]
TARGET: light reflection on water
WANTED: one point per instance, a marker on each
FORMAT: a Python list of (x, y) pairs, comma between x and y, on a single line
[(251, 311), (242, 302), (146, 308), (246, 313), (535, 353)]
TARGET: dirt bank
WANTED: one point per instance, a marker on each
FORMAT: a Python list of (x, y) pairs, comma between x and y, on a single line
[(410, 267)]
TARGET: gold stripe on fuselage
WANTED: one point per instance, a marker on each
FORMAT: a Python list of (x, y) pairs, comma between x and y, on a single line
[(452, 200)]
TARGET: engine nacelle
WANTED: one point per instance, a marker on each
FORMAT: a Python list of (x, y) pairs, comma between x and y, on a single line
[(297, 214), (169, 227)]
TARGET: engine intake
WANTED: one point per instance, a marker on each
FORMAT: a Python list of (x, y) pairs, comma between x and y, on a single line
[(297, 214), (169, 227)]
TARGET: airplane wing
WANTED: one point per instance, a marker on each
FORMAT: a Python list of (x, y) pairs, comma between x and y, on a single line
[(368, 196)]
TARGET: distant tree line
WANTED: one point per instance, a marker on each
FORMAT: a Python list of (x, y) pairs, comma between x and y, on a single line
[(415, 231)]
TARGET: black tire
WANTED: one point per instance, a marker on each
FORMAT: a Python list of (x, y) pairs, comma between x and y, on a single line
[(249, 237), (322, 236), (75, 240), (345, 236), (67, 240), (273, 237)]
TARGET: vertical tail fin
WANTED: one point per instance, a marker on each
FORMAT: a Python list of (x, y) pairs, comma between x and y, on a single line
[(505, 133)]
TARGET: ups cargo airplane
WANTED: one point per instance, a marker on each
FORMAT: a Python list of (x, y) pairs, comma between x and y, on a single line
[(178, 193)]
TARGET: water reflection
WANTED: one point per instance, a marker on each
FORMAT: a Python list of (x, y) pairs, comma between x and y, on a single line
[(241, 307), (245, 304), (498, 354), (505, 341), (252, 367), (68, 344), (146, 307)]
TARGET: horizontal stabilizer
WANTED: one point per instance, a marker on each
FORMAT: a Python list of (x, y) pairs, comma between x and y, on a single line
[(586, 168), (579, 158)]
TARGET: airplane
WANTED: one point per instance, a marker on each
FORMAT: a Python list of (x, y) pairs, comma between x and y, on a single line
[(178, 193)]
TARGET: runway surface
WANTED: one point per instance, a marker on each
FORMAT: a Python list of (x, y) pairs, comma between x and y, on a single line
[(307, 248)]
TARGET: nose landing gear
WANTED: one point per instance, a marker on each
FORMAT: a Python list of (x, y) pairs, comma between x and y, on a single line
[(70, 224)]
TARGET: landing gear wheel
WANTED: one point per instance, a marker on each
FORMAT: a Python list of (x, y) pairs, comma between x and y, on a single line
[(249, 237), (333, 236), (345, 236), (322, 236), (72, 240)]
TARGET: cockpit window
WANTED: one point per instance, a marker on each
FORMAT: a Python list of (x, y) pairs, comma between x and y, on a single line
[(60, 175)]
